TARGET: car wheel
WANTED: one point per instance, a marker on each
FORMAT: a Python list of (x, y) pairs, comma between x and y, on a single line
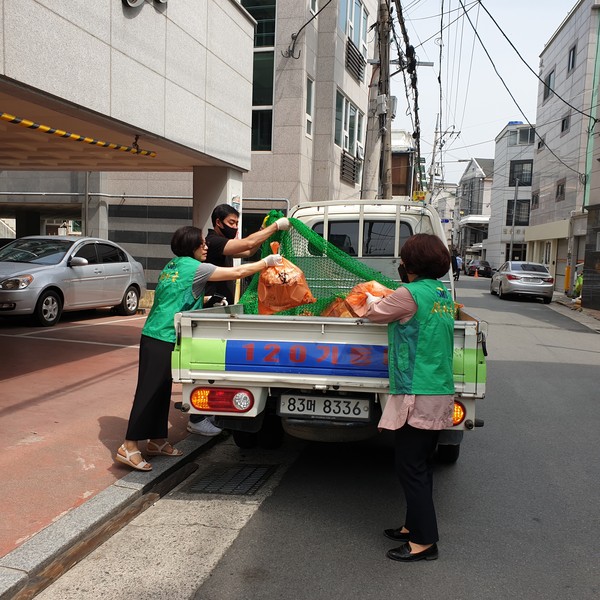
[(492, 292), (245, 439), (48, 309), (130, 302), (447, 454), (547, 300), (501, 294)]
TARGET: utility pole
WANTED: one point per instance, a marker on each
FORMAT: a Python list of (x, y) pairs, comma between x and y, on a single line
[(384, 97), (512, 230), (432, 167)]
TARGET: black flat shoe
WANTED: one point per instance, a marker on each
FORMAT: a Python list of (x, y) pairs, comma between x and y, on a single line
[(403, 553), (396, 534)]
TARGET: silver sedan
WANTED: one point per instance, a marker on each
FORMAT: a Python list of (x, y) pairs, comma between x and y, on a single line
[(43, 276), (523, 278)]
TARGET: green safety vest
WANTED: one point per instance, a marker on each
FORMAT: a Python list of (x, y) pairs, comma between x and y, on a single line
[(173, 294), (420, 350)]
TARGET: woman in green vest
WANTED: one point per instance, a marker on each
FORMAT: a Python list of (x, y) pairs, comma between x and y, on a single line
[(420, 318), (180, 287)]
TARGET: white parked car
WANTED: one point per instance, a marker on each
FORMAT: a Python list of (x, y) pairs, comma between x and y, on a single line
[(523, 278), (43, 276)]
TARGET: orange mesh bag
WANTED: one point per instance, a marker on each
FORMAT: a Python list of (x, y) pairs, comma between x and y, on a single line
[(356, 300), (282, 287)]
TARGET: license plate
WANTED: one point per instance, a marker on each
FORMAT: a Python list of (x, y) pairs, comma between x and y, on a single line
[(324, 407), (534, 280)]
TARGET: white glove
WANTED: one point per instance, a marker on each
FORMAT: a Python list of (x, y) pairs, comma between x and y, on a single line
[(372, 299), (273, 260), (282, 224)]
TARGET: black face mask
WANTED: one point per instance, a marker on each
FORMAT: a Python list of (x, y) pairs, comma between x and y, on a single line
[(228, 232), (403, 274)]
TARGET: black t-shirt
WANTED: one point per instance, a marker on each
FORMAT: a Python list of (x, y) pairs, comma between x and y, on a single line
[(214, 256)]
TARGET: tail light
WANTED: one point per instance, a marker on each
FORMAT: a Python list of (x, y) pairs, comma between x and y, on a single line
[(222, 400), (512, 277), (458, 414), (548, 279)]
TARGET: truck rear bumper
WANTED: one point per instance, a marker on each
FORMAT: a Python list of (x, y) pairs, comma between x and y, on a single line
[(323, 430)]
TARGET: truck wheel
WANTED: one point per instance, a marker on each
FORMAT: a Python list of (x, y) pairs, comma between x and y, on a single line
[(245, 439), (448, 454), (270, 435)]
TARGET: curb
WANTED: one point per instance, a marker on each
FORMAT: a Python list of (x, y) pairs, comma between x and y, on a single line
[(34, 565)]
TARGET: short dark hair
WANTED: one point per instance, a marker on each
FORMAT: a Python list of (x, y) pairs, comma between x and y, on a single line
[(425, 255), (186, 240), (222, 211)]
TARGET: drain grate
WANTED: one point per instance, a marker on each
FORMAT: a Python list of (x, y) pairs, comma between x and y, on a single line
[(243, 480)]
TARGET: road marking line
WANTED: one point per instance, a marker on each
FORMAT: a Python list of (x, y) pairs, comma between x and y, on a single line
[(51, 339)]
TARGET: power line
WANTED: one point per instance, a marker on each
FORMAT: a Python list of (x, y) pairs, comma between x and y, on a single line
[(581, 175), (546, 86)]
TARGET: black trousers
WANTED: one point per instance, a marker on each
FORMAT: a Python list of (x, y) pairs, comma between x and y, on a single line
[(414, 452), (149, 418)]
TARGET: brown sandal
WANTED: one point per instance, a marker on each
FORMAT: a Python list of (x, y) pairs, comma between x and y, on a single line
[(162, 450), (126, 460)]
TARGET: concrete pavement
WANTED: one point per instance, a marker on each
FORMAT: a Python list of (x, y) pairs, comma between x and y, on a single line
[(66, 395)]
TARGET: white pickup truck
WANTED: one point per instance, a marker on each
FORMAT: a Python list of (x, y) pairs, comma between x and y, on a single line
[(318, 378)]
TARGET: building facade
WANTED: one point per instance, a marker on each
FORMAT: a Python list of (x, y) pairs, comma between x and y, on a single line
[(472, 207), (565, 140), (511, 185), (310, 99), (157, 102)]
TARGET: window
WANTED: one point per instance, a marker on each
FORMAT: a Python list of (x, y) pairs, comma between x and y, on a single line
[(541, 144), (378, 236), (571, 60), (521, 170), (348, 124), (262, 100), (522, 136), (549, 85), (264, 62), (560, 190), (522, 215), (535, 200), (526, 135), (352, 21), (110, 254), (310, 85), (565, 124), (88, 251), (314, 6), (264, 13)]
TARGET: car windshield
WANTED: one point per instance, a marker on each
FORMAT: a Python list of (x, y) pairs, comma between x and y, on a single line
[(38, 252), (529, 267)]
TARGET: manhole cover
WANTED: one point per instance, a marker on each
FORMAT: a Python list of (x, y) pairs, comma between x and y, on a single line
[(232, 479)]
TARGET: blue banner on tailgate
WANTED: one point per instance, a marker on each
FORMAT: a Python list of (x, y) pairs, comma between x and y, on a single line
[(309, 358)]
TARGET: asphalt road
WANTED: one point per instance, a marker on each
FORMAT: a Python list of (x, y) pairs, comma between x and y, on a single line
[(518, 513)]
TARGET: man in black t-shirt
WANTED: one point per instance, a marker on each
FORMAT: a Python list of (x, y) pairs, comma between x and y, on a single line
[(223, 247)]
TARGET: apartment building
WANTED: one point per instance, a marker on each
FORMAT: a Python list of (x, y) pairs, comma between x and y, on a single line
[(511, 187), (565, 144), (472, 207)]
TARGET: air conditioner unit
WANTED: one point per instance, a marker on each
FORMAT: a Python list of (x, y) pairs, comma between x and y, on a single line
[(360, 151)]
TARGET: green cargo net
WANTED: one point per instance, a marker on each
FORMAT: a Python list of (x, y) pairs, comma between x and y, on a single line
[(330, 272)]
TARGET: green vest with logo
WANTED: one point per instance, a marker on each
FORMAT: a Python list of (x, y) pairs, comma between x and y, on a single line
[(173, 294), (420, 350)]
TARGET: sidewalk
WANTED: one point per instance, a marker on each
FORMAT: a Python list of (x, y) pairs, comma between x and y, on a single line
[(62, 494)]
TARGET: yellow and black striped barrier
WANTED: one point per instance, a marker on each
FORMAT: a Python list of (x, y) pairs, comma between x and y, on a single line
[(73, 136)]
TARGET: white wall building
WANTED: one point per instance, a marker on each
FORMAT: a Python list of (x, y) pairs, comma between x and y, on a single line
[(564, 149), (311, 98), (171, 77), (513, 161)]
